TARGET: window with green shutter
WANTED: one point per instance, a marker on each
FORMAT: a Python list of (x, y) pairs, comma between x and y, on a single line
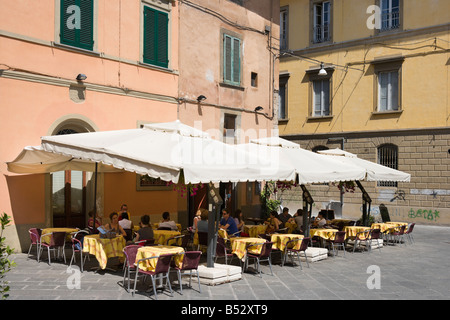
[(77, 23), (156, 37), (231, 60)]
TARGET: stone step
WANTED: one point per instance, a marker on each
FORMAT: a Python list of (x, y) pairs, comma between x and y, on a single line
[(219, 274)]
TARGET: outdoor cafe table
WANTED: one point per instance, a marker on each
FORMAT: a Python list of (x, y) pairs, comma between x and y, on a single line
[(351, 231), (324, 233), (161, 236), (46, 236), (239, 245), (254, 230), (388, 225), (281, 239), (155, 251), (104, 248), (222, 233), (291, 227)]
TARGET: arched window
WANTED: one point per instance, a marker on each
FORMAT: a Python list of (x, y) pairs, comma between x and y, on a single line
[(388, 156)]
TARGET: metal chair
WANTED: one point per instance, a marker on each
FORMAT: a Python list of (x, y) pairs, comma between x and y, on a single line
[(266, 250), (398, 234), (130, 252), (202, 239), (221, 251), (339, 241), (190, 262), (35, 236), (374, 234), (57, 243), (145, 242), (409, 231), (360, 237), (292, 251), (162, 268), (77, 247)]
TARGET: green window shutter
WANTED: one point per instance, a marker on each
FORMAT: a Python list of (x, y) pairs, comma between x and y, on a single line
[(83, 35), (231, 60), (156, 37)]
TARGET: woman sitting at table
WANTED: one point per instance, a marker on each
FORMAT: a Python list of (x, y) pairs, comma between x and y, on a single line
[(114, 225), (239, 219), (146, 231), (273, 222), (202, 224), (98, 220), (320, 221)]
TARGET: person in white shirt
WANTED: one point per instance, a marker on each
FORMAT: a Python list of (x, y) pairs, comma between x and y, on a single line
[(125, 222), (167, 223)]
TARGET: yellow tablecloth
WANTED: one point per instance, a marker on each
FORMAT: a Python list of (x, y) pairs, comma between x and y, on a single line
[(351, 231), (291, 227), (68, 231), (255, 230), (398, 224), (239, 244), (280, 240), (161, 236), (104, 248), (153, 251), (156, 225), (323, 233)]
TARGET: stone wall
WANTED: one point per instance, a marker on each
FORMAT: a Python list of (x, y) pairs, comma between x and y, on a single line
[(425, 154)]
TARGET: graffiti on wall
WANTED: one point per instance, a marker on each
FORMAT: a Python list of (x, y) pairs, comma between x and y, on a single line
[(428, 215), (425, 214)]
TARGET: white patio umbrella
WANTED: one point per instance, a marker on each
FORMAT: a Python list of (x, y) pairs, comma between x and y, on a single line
[(167, 151), (310, 167), (34, 159), (374, 171)]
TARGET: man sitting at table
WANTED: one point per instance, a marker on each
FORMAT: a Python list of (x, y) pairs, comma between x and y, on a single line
[(284, 217), (227, 222), (167, 223)]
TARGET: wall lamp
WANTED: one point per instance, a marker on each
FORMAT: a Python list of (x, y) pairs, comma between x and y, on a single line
[(81, 77), (201, 98), (322, 71), (258, 108)]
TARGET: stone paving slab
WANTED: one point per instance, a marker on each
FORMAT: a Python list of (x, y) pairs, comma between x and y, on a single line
[(411, 272)]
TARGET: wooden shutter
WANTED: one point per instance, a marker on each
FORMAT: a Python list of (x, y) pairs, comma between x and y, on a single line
[(156, 37), (84, 36), (231, 60)]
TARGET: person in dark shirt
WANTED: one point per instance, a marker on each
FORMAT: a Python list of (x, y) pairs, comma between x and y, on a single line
[(227, 222), (146, 231)]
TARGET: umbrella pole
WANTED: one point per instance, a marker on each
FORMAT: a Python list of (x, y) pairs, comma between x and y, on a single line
[(366, 202), (214, 203), (95, 195), (307, 210)]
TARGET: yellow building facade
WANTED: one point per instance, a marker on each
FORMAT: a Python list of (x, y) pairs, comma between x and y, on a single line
[(372, 77)]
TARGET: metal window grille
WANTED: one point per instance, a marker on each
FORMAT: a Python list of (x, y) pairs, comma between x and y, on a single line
[(388, 156)]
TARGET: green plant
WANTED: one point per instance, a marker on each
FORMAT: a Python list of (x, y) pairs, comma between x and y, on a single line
[(5, 252)]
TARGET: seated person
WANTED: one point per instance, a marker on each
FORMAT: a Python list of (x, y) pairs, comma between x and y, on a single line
[(298, 219), (146, 231), (98, 220), (284, 217), (273, 222), (123, 209), (227, 222), (125, 222), (202, 225), (167, 223), (114, 225), (320, 221)]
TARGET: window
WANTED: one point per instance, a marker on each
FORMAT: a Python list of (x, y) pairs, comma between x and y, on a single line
[(388, 156), (321, 97), (156, 37), (282, 96), (321, 21), (231, 60), (284, 27), (388, 91), (254, 79), (77, 23), (390, 14), (388, 84), (229, 128)]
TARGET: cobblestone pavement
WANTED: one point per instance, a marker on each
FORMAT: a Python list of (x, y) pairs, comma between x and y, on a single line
[(413, 272)]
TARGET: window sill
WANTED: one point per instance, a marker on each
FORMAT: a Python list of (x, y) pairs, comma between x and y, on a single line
[(389, 113), (283, 121), (319, 118), (231, 86), (75, 49)]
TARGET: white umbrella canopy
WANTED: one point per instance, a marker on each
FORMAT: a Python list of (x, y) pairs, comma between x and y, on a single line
[(310, 167), (34, 159), (165, 151), (374, 171)]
